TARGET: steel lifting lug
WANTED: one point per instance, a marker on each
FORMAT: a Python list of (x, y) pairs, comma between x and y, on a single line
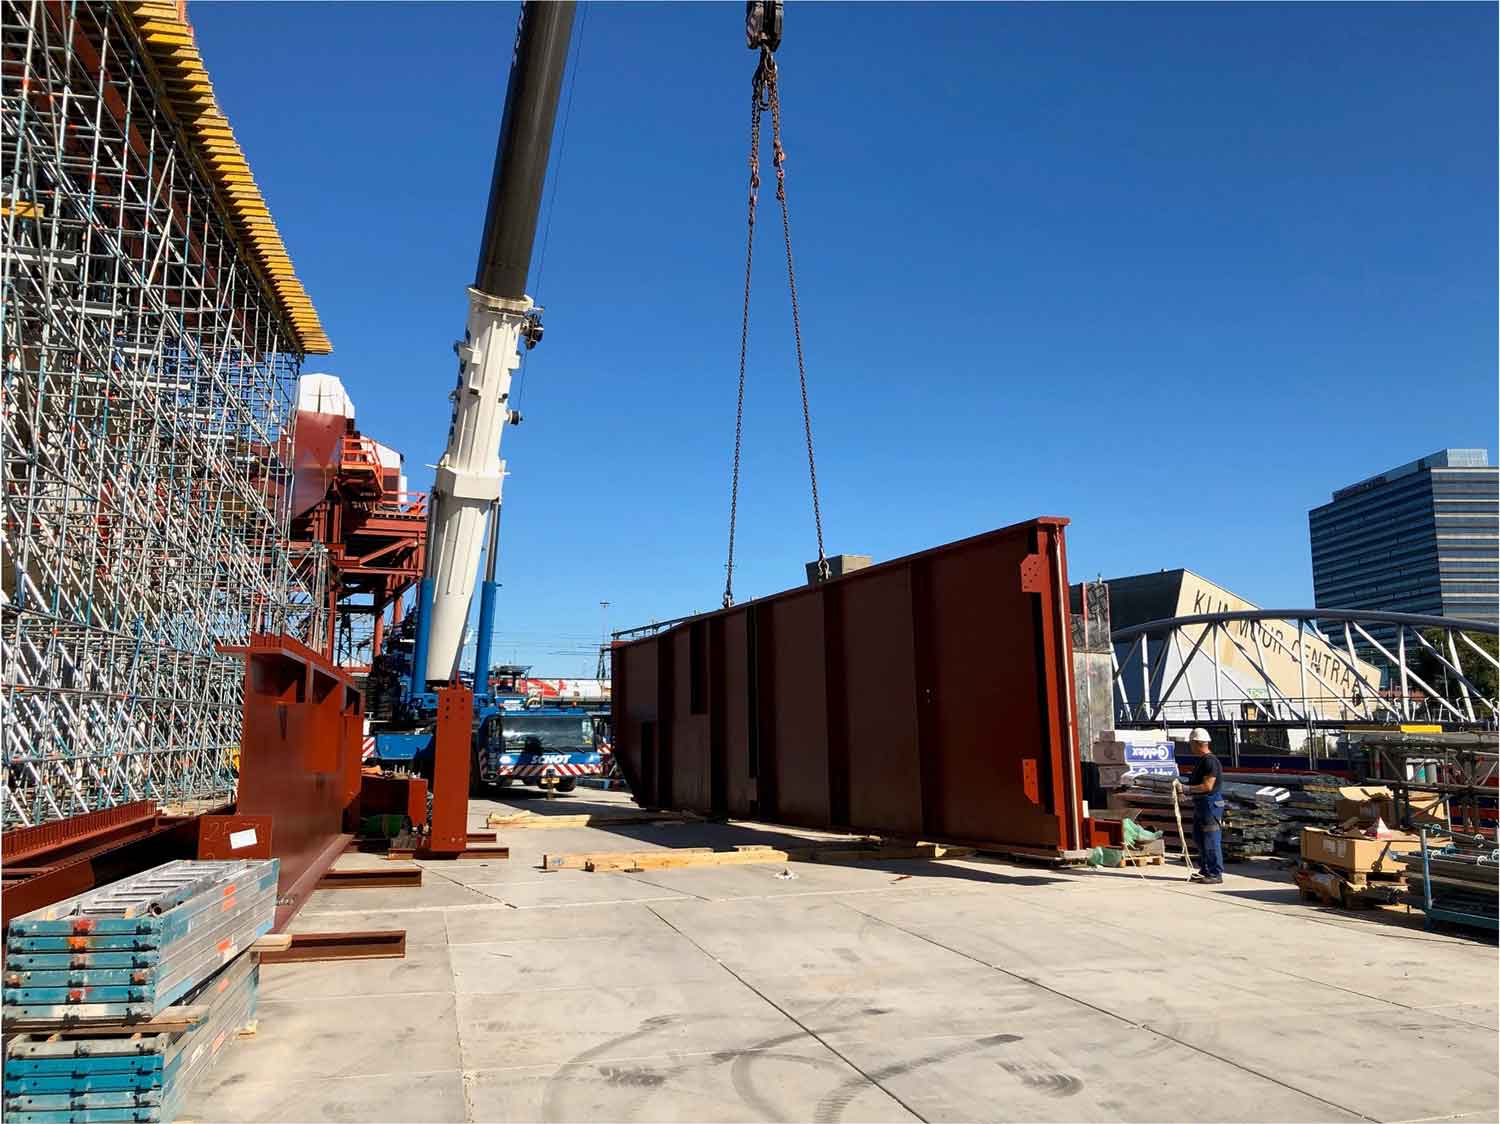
[(763, 24)]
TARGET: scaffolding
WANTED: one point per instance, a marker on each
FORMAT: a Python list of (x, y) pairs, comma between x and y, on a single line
[(152, 336)]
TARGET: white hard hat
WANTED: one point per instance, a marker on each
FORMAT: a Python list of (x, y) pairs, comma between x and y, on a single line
[(1199, 734)]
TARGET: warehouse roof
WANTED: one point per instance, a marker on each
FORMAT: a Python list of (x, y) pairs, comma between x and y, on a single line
[(169, 41)]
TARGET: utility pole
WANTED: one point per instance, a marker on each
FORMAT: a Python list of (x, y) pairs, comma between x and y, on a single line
[(601, 672)]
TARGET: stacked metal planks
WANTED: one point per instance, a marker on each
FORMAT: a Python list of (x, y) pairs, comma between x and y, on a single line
[(143, 1077), (1458, 881), (130, 949), (927, 697)]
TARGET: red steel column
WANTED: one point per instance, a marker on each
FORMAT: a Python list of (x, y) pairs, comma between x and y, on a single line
[(450, 771)]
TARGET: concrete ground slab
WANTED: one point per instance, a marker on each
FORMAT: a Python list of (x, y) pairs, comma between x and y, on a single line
[(499, 922), (646, 958), (574, 887), (777, 1083), (1098, 1072), (393, 1098), (590, 1024), (965, 989), (1457, 1063)]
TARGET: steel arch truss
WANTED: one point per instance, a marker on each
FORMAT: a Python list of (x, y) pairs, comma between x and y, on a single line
[(1304, 668)]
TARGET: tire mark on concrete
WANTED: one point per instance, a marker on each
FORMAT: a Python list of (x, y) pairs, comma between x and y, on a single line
[(831, 1108), (566, 1075), (791, 1017), (744, 1082)]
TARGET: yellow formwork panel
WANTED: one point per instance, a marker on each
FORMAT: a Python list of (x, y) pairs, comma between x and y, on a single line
[(170, 42)]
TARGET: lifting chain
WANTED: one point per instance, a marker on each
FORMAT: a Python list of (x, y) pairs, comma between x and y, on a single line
[(765, 95)]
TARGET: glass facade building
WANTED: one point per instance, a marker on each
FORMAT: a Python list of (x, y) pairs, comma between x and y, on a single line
[(1422, 538)]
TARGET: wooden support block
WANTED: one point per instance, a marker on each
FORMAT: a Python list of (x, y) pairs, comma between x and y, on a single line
[(532, 821), (249, 1030), (272, 942), (171, 1020), (744, 854)]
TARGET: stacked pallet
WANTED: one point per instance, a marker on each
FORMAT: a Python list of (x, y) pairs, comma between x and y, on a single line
[(140, 1076), (127, 951), (1265, 812), (120, 997), (1247, 830)]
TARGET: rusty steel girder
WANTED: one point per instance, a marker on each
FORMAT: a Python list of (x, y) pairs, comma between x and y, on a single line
[(929, 697), (300, 760), (53, 861)]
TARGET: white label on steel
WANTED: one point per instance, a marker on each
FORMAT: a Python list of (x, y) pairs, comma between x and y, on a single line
[(238, 839)]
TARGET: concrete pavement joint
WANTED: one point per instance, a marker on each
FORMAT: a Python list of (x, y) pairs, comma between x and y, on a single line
[(1114, 1015), (458, 1034), (792, 1018)]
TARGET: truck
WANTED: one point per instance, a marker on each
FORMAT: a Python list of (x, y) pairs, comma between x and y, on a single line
[(546, 746)]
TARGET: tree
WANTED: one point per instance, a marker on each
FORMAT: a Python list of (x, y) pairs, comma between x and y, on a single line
[(1480, 672)]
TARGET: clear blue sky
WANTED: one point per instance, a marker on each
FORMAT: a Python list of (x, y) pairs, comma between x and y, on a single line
[(1175, 272)]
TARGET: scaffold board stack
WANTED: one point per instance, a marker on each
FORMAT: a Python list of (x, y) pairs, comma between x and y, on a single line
[(153, 336), (127, 951), (52, 1079)]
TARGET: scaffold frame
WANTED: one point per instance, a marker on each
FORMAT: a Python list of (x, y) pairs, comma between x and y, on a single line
[(148, 388)]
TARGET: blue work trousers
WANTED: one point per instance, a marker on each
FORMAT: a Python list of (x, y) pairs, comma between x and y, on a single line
[(1208, 833)]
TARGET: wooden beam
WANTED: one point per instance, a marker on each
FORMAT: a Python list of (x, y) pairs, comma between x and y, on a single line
[(674, 857)]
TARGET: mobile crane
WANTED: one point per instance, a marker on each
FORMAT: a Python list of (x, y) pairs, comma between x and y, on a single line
[(435, 725), (422, 660)]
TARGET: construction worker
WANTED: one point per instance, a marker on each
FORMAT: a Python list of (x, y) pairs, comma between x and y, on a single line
[(1205, 786)]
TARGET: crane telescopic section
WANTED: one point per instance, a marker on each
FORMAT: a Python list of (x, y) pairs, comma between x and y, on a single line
[(502, 318)]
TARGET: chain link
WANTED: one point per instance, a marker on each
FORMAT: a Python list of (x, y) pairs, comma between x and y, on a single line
[(764, 95), (757, 89), (779, 158)]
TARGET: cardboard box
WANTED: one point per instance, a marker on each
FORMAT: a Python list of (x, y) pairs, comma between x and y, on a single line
[(1357, 853), (1112, 776), (1108, 752), (1364, 804)]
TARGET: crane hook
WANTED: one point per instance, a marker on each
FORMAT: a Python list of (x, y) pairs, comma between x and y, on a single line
[(763, 24)]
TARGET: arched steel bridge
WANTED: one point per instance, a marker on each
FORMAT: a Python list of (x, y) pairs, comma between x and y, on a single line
[(1316, 669)]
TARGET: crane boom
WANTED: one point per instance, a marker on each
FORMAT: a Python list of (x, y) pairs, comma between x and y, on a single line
[(467, 486)]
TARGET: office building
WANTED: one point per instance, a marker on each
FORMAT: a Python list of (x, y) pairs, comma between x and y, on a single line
[(1421, 538)]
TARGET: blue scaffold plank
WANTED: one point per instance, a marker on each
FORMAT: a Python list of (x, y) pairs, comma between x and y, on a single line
[(144, 1078), (144, 1114), (82, 961), (51, 1102), (187, 918)]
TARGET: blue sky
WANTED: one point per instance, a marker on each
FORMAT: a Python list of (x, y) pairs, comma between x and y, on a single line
[(1175, 272)]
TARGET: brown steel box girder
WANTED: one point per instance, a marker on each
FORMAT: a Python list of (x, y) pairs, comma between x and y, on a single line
[(300, 760), (929, 696)]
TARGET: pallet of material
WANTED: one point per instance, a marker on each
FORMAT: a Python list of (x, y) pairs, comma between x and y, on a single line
[(139, 1076), (1265, 812), (745, 855), (129, 950), (1346, 888)]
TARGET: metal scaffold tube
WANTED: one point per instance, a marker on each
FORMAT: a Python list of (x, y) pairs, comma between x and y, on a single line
[(149, 376)]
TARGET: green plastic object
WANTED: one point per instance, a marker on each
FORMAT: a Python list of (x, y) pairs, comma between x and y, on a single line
[(385, 826), (1135, 833), (1105, 856)]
